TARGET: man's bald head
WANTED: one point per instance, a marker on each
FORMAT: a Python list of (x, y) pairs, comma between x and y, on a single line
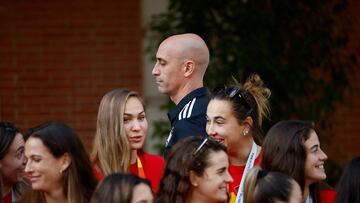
[(181, 62), (190, 46)]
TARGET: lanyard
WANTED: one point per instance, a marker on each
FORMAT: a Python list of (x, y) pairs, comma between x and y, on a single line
[(249, 164), (308, 199), (140, 167)]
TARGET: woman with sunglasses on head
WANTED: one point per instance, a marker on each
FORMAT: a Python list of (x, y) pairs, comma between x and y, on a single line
[(234, 118), (57, 165), (293, 148), (121, 131), (196, 171), (12, 163)]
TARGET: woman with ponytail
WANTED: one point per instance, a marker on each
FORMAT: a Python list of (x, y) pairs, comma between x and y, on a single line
[(234, 118)]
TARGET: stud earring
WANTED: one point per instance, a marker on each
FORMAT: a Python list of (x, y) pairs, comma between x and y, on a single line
[(245, 132)]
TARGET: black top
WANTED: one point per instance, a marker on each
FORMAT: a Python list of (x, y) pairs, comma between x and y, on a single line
[(188, 118)]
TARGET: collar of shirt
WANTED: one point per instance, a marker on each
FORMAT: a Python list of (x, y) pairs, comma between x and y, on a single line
[(202, 91)]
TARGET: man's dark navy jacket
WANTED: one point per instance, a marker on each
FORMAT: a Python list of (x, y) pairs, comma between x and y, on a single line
[(188, 118)]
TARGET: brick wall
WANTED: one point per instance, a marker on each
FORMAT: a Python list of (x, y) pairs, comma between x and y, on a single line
[(58, 58), (344, 142)]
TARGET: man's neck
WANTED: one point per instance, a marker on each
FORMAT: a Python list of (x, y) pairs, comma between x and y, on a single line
[(182, 92)]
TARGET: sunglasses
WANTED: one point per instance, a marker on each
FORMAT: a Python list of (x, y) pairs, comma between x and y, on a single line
[(200, 147), (237, 94)]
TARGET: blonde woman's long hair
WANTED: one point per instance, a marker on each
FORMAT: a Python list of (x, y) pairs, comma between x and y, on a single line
[(111, 150)]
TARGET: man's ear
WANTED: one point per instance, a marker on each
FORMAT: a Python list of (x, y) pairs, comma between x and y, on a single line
[(65, 161), (189, 68), (194, 179)]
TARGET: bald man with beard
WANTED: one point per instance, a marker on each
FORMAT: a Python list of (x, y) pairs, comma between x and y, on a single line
[(181, 63)]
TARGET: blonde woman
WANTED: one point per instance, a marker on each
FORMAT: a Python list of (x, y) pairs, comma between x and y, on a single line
[(120, 134)]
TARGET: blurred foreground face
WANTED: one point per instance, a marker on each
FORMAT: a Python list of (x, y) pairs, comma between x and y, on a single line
[(142, 194), (44, 170), (296, 194), (213, 184), (13, 163)]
